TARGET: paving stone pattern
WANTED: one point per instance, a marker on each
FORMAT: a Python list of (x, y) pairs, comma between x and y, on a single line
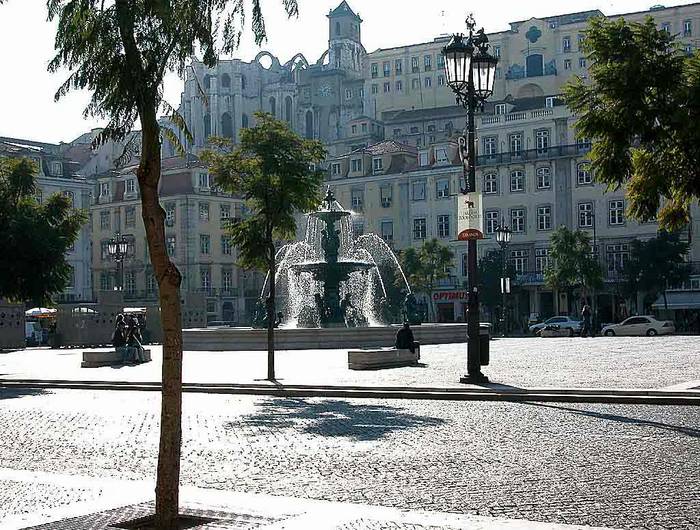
[(601, 465)]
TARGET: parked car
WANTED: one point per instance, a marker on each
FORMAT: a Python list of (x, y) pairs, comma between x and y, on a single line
[(639, 326), (562, 321)]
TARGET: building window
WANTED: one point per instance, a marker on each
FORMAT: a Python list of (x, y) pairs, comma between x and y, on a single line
[(375, 88), (443, 188), (418, 190), (441, 156), (582, 62), (170, 214), (397, 132), (441, 80), (516, 143), (490, 146), (428, 62), (387, 87), (71, 198), (398, 66), (666, 26), (56, 169), (542, 140), (689, 49), (104, 281), (348, 93), (386, 66), (517, 180), (104, 189), (204, 244), (499, 109), (105, 220), (203, 212), (490, 183), (356, 165), (542, 259), (419, 228), (544, 218), (687, 28), (583, 174), (385, 196), (617, 256), (170, 245), (130, 282), (205, 278), (387, 229), (583, 144), (544, 178), (443, 226), (428, 82), (566, 44), (204, 181), (585, 215), (414, 65), (423, 158), (335, 168), (358, 228), (226, 246), (151, 284), (567, 64), (353, 129), (497, 52), (415, 83), (226, 280), (616, 210), (399, 85), (492, 221), (374, 68), (517, 220), (519, 260), (357, 199), (131, 186), (224, 215), (130, 217), (377, 164)]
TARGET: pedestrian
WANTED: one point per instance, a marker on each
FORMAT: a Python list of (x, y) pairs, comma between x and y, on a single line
[(405, 340), (586, 330)]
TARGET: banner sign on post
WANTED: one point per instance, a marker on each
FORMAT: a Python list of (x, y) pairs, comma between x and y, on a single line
[(470, 220)]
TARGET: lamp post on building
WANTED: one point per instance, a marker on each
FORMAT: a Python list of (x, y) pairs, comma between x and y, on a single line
[(503, 235), (117, 248), (470, 72)]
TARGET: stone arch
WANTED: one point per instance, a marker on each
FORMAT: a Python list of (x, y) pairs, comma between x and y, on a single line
[(226, 125), (288, 109), (309, 125), (207, 81), (324, 59), (274, 62), (531, 90), (298, 61), (225, 81), (273, 106)]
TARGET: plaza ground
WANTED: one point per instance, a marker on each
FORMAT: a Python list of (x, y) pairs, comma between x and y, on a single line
[(632, 466)]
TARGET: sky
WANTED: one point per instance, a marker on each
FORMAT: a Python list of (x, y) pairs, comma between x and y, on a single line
[(28, 110)]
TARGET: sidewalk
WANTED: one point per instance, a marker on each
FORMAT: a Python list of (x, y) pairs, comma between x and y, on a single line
[(124, 500)]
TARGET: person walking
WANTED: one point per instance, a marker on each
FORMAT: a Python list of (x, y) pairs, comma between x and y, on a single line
[(587, 329)]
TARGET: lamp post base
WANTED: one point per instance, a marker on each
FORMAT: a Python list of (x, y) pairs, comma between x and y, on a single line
[(474, 379)]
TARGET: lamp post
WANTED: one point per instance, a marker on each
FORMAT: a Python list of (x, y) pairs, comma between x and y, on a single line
[(470, 71), (503, 235), (117, 248)]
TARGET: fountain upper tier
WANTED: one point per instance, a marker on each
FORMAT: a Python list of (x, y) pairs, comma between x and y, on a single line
[(330, 216), (322, 270)]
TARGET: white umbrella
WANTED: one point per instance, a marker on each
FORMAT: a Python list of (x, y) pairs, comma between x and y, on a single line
[(40, 312)]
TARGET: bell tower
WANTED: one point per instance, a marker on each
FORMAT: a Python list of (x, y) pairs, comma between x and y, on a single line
[(345, 48)]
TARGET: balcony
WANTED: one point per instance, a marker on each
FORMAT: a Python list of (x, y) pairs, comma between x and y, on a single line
[(548, 153), (529, 278)]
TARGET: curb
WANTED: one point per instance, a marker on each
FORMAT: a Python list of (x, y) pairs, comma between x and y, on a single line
[(612, 396)]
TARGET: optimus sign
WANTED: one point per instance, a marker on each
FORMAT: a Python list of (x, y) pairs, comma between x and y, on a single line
[(451, 296)]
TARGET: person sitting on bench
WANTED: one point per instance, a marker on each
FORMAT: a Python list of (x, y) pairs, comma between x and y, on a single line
[(404, 339)]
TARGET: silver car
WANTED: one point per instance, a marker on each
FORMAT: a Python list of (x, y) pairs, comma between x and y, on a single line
[(562, 321), (640, 326)]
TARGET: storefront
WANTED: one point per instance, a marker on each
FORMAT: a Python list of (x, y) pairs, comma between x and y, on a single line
[(451, 306), (683, 307)]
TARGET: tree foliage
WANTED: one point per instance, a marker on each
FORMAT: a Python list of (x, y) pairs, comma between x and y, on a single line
[(490, 274), (35, 237), (426, 265), (641, 109), (655, 265), (572, 263), (271, 169)]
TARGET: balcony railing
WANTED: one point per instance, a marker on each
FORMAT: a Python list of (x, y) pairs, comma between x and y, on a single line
[(555, 151)]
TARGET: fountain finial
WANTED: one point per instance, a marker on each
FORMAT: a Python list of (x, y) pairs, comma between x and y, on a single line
[(329, 199)]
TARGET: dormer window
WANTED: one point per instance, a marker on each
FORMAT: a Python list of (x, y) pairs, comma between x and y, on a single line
[(335, 169), (423, 158), (56, 169), (131, 186), (377, 164), (499, 109), (204, 181), (356, 165), (104, 189), (441, 155)]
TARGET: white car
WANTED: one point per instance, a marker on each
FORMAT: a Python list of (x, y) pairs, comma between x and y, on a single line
[(563, 322), (640, 326)]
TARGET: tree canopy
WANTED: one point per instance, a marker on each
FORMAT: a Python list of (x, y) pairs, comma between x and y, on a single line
[(426, 265), (572, 262), (35, 237), (641, 109), (490, 273)]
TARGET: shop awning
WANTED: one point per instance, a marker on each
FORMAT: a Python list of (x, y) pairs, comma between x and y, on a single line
[(679, 300)]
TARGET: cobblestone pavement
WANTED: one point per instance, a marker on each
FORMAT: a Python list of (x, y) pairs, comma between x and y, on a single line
[(622, 362), (602, 465)]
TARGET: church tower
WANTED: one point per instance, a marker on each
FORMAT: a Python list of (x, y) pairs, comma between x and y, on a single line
[(345, 48)]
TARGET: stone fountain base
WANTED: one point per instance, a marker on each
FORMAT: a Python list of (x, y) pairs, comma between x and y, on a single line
[(248, 339)]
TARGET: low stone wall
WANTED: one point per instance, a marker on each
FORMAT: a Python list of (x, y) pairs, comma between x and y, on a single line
[(11, 326), (247, 339)]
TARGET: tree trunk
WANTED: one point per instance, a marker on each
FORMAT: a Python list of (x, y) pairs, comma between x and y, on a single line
[(271, 319), (168, 276)]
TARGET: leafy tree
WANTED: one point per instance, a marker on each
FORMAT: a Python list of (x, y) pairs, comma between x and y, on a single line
[(120, 52), (641, 108), (35, 236), (572, 264), (271, 169), (424, 267), (655, 265), (490, 273)]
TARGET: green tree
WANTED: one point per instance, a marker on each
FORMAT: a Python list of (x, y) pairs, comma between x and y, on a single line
[(424, 267), (641, 109), (656, 265), (572, 263), (272, 169), (490, 274), (35, 236), (120, 51)]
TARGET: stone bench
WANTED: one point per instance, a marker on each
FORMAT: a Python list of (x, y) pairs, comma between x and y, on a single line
[(377, 358), (95, 359)]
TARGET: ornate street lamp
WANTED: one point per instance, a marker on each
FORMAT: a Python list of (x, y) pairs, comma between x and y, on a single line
[(117, 248), (470, 71), (503, 236)]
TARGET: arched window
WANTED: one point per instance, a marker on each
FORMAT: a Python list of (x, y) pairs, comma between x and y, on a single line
[(225, 81), (207, 82), (273, 106), (226, 125), (243, 82), (207, 126), (309, 124), (244, 121), (337, 28), (288, 109), (534, 65)]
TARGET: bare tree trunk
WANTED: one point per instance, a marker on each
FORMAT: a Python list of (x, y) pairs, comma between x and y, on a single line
[(168, 276), (271, 318)]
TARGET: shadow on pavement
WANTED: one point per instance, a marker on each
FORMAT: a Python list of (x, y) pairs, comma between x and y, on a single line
[(688, 431), (11, 393), (335, 418)]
